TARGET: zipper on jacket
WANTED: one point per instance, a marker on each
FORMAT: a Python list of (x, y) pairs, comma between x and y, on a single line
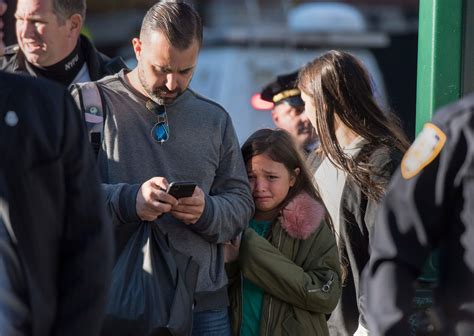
[(325, 288), (271, 299)]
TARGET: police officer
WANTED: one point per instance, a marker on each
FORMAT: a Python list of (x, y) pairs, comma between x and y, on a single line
[(50, 44), (288, 110), (430, 204), (52, 228)]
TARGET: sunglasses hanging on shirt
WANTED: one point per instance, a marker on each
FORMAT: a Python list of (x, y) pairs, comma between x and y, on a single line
[(160, 131)]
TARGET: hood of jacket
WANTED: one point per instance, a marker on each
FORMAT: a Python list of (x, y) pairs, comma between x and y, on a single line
[(302, 216)]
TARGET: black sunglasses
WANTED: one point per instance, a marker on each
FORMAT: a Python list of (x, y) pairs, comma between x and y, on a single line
[(160, 131)]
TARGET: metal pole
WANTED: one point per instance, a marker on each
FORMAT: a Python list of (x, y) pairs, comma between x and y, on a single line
[(438, 83), (439, 56)]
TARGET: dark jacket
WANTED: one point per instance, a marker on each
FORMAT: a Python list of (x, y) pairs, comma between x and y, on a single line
[(430, 205), (50, 199), (357, 219), (98, 64), (297, 267)]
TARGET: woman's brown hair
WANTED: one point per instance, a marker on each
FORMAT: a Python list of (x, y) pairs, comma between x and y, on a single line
[(339, 84)]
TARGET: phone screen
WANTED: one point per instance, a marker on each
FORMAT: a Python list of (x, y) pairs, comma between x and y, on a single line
[(181, 189)]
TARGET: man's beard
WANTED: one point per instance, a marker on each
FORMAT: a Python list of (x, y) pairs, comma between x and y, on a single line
[(155, 94)]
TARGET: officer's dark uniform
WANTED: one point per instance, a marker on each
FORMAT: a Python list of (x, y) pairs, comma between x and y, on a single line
[(52, 207), (98, 64), (430, 204)]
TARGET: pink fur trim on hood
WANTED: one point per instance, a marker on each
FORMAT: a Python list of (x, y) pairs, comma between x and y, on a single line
[(302, 216)]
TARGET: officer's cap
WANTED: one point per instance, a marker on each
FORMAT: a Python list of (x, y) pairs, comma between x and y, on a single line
[(283, 90)]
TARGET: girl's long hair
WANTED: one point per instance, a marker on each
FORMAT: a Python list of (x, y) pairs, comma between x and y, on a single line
[(338, 84), (280, 147)]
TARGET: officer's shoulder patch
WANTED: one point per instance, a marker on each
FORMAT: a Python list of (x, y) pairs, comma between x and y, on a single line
[(423, 151)]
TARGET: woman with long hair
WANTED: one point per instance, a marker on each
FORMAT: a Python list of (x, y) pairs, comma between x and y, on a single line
[(361, 146)]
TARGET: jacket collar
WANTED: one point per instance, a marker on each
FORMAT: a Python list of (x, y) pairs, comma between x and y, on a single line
[(19, 61), (302, 216), (90, 53), (92, 58)]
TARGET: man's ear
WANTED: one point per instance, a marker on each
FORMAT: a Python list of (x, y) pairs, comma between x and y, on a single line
[(275, 118), (75, 25), (137, 47)]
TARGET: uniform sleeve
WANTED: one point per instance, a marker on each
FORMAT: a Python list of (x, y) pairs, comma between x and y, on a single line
[(408, 227), (316, 289), (86, 249), (229, 206)]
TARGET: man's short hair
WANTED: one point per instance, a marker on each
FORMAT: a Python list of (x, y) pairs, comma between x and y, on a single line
[(178, 21), (64, 9)]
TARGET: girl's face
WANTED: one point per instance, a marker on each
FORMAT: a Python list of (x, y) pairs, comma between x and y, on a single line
[(309, 108), (269, 183)]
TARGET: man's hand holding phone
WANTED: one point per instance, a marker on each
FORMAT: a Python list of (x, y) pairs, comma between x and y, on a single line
[(153, 200), (156, 197), (181, 189), (189, 209)]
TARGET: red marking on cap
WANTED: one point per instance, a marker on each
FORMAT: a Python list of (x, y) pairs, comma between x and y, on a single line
[(259, 104)]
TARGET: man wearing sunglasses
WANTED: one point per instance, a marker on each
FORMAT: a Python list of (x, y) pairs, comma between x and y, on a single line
[(52, 281), (156, 131)]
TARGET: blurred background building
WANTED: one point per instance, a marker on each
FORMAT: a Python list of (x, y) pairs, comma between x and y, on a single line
[(249, 42)]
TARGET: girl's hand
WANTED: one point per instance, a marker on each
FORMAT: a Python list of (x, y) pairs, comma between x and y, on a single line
[(231, 249)]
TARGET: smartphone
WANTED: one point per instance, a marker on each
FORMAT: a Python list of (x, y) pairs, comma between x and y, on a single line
[(181, 189)]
